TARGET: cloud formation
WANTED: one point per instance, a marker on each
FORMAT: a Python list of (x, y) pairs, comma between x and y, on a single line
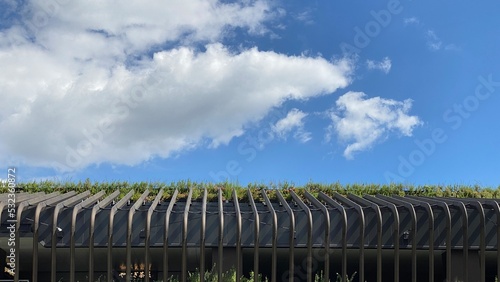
[(89, 83), (411, 21), (361, 122), (292, 121), (384, 65), (433, 41)]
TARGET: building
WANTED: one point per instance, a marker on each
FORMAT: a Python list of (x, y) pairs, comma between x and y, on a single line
[(294, 237)]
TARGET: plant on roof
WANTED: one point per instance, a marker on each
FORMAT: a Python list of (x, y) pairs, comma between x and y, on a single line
[(285, 188)]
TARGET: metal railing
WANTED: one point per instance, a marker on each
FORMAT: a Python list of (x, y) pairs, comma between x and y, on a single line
[(379, 238)]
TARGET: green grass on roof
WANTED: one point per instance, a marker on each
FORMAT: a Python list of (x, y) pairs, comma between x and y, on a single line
[(183, 187)]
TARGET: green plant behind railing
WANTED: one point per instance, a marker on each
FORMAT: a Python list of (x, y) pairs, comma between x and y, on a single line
[(183, 187), (212, 276)]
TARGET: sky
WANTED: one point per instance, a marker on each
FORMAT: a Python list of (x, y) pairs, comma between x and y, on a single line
[(266, 91)]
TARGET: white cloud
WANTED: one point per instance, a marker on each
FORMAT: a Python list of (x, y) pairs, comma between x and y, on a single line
[(80, 89), (433, 41), (384, 65), (292, 121), (140, 24), (411, 21), (305, 17), (452, 47), (362, 122)]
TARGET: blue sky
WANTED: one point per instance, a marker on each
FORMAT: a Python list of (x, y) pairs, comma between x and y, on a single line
[(251, 91)]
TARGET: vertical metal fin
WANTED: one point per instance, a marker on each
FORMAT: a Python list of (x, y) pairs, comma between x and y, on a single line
[(359, 210), (304, 207), (147, 230), (465, 234), (238, 236), (411, 209), (482, 241), (430, 214), (221, 237), (446, 211), (95, 209), (203, 234), (326, 243), (76, 210), (376, 208), (36, 224), (112, 213), (343, 215), (395, 236), (274, 259), (130, 220), (55, 217), (291, 244), (165, 234), (256, 236), (184, 235)]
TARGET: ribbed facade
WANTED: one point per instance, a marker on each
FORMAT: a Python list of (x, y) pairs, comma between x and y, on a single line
[(83, 237)]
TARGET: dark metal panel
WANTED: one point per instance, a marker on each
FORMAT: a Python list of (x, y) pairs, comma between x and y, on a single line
[(395, 215), (274, 259), (272, 216), (304, 207), (496, 207), (465, 239), (324, 210), (238, 236), (221, 236), (165, 234), (256, 236), (376, 208), (53, 244), (184, 236), (482, 248), (446, 211), (411, 209), (95, 209), (114, 209), (359, 210), (148, 234), (430, 215), (76, 210), (343, 215), (36, 224), (203, 234)]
